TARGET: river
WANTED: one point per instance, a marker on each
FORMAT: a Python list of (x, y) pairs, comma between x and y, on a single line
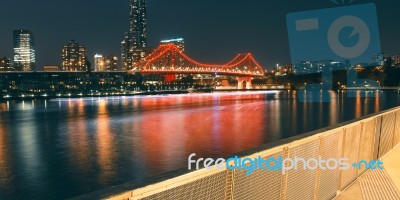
[(61, 148)]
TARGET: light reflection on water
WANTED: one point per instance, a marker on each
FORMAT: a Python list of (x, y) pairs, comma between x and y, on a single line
[(65, 147)]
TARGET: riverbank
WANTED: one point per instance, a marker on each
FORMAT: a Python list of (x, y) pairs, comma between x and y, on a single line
[(44, 97), (163, 92), (136, 93)]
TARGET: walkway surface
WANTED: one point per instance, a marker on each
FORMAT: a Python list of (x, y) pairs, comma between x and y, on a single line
[(377, 184)]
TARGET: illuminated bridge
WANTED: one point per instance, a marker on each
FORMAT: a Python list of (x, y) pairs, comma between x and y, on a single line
[(168, 60)]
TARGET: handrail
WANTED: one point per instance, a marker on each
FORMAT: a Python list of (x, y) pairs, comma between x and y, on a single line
[(369, 138)]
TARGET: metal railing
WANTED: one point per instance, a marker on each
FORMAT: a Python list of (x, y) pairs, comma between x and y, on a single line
[(367, 139)]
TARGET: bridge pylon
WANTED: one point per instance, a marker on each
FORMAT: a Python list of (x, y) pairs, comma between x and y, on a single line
[(244, 83)]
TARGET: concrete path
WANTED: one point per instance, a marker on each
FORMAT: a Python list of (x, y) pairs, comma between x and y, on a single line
[(377, 184)]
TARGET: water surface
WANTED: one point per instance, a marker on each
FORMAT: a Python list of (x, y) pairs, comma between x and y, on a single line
[(61, 148)]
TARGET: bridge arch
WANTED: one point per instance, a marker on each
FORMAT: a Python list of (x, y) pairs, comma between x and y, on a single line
[(168, 59)]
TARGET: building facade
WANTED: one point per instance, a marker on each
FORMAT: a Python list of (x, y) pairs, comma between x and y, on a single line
[(51, 68), (105, 63), (134, 45), (179, 42), (73, 57), (24, 50), (6, 65)]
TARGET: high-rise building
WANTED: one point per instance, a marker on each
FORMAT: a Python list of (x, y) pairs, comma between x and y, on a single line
[(6, 64), (105, 63), (134, 44), (179, 42), (73, 57), (24, 50)]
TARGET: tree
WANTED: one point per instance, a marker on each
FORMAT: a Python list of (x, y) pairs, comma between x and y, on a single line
[(390, 72)]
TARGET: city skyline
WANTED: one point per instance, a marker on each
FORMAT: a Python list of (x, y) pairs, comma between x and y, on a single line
[(227, 33), (178, 99)]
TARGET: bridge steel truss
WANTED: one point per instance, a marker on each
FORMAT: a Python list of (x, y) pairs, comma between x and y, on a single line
[(168, 60)]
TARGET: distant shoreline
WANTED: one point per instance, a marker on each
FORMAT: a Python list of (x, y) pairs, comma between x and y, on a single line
[(142, 93), (165, 92), (85, 96)]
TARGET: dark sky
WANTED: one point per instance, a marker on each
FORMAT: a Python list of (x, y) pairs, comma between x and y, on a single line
[(214, 30)]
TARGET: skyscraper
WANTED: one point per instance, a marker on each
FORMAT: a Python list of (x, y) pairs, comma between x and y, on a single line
[(73, 57), (134, 44), (24, 50)]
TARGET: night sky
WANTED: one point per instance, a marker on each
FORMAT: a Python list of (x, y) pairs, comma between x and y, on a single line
[(214, 30)]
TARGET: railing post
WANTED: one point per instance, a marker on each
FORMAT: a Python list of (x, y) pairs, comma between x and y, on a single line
[(318, 172), (229, 184), (285, 176)]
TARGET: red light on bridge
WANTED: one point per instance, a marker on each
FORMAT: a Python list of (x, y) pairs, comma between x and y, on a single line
[(169, 59)]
